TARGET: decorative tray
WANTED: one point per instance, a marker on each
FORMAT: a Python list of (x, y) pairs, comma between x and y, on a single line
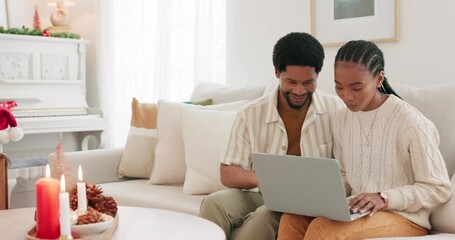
[(84, 231)]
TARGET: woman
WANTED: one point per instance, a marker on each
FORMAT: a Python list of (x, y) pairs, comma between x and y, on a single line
[(388, 154)]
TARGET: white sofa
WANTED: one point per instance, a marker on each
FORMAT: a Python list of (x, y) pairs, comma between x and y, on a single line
[(101, 166)]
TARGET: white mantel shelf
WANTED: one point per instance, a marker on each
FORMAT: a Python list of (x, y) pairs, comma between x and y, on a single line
[(19, 37)]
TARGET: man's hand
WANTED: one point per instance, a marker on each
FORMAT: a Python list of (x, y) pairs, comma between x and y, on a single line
[(234, 176), (365, 202)]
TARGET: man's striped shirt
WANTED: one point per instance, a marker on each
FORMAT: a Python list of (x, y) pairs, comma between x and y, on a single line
[(258, 128)]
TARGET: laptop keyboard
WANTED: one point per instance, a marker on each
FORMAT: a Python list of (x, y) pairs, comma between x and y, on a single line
[(357, 215), (353, 214)]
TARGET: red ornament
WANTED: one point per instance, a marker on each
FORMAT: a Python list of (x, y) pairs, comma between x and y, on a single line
[(46, 33), (9, 104)]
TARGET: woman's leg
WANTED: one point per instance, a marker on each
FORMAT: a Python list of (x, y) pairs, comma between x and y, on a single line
[(381, 224), (293, 226)]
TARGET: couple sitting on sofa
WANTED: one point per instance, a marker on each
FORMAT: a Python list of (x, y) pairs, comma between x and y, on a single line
[(378, 134)]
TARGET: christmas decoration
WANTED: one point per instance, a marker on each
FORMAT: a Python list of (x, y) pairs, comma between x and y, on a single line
[(35, 32), (9, 104), (36, 20), (46, 33), (59, 164), (9, 131), (91, 216), (95, 200), (94, 191), (106, 205)]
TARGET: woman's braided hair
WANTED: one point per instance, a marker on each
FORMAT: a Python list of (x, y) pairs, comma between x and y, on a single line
[(368, 54)]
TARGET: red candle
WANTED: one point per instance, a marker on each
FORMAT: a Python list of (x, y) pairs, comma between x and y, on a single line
[(47, 207)]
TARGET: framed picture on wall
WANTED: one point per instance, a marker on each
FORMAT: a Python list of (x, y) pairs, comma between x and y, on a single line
[(335, 22), (4, 13)]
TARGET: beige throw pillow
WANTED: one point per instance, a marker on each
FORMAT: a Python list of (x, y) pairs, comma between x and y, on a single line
[(138, 155)]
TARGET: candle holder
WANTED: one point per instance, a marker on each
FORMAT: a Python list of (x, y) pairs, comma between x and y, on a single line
[(103, 230), (66, 238), (81, 212)]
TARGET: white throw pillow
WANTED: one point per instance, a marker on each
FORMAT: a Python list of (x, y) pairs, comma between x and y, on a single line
[(205, 135), (221, 93), (442, 217), (169, 166)]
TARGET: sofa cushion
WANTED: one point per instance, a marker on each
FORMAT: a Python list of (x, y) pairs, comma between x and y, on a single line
[(139, 152), (437, 103), (221, 93), (169, 166), (442, 217), (205, 135), (140, 194)]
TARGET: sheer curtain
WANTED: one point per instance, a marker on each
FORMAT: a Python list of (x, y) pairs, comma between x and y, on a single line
[(156, 49)]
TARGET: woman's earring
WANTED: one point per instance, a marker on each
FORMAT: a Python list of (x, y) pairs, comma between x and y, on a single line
[(382, 89)]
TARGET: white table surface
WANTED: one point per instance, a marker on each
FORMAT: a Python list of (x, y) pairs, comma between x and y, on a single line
[(134, 223)]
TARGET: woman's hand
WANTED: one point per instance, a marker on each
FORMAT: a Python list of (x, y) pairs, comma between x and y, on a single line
[(365, 202)]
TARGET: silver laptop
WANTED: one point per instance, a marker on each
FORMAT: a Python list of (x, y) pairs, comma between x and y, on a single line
[(304, 186)]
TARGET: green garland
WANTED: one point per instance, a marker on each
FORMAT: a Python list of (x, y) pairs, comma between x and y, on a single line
[(35, 32)]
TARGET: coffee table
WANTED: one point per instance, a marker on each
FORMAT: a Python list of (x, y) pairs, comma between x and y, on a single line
[(134, 223)]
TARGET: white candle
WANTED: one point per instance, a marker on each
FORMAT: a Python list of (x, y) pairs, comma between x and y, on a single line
[(65, 225), (81, 193)]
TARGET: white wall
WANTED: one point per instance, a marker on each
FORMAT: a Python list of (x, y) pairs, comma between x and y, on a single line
[(422, 57)]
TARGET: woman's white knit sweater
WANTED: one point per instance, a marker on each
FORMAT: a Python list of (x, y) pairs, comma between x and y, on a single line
[(393, 149)]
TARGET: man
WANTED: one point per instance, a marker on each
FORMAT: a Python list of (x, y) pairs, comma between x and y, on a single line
[(294, 120)]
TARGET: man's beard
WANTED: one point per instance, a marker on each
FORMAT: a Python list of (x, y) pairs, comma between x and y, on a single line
[(305, 103)]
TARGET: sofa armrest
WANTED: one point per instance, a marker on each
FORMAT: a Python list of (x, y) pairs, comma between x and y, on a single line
[(99, 166)]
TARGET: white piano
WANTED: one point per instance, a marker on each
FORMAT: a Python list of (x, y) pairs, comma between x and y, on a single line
[(47, 78)]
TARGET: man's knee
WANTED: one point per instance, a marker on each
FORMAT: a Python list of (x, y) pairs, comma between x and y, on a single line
[(260, 224), (215, 202), (227, 208)]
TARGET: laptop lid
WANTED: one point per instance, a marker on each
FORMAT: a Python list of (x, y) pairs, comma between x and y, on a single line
[(301, 185)]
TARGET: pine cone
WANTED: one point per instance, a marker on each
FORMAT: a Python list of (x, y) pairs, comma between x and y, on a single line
[(73, 201), (91, 216), (73, 198), (93, 191), (106, 205), (96, 200), (74, 190)]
